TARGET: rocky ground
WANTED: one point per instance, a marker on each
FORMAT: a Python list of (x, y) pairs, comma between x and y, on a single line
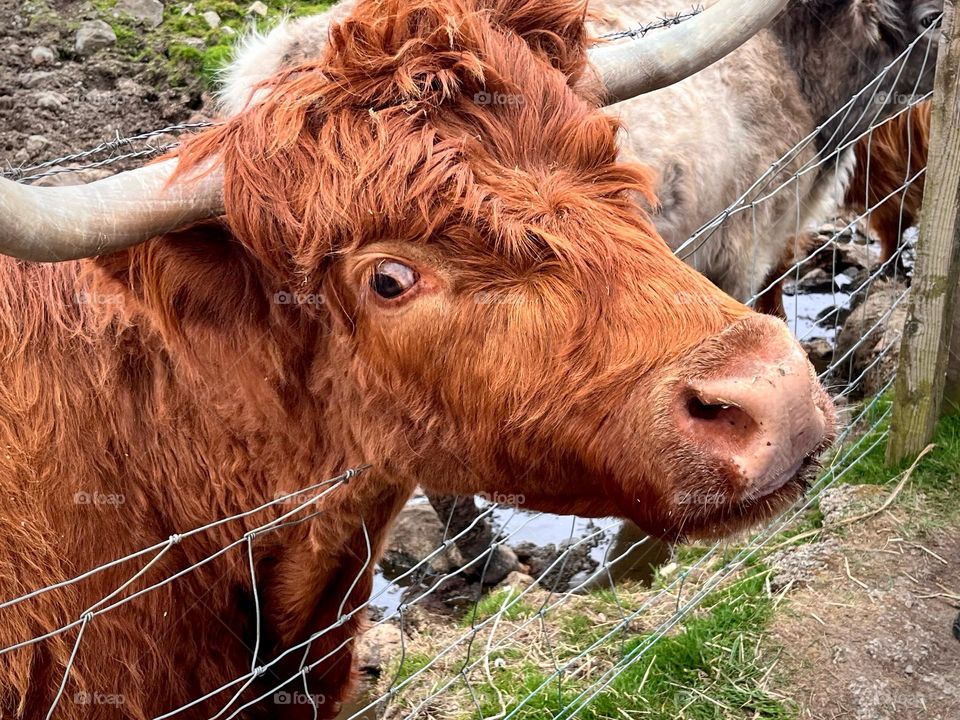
[(68, 83)]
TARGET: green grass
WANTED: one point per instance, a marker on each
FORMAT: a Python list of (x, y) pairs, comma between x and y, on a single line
[(708, 670), (500, 602), (937, 475), (411, 665)]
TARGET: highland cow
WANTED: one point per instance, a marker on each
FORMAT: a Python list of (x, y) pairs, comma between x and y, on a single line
[(309, 286)]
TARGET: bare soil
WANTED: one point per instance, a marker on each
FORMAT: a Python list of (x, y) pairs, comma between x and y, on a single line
[(869, 636), (49, 110)]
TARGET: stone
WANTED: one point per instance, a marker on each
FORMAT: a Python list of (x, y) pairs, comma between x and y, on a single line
[(800, 564), (194, 42), (871, 335), (36, 144), (415, 535), (35, 78), (212, 19), (257, 8), (516, 580), (51, 100), (473, 534), (148, 12), (855, 255), (820, 352), (817, 280), (42, 55), (94, 35), (377, 647)]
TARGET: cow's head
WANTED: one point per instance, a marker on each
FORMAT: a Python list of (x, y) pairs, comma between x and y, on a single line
[(435, 214)]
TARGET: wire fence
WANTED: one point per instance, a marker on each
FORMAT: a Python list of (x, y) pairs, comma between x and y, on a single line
[(456, 677)]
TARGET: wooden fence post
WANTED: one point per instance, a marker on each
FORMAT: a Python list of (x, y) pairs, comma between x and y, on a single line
[(951, 392), (925, 348)]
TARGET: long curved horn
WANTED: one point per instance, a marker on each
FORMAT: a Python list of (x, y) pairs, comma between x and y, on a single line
[(50, 224), (664, 57)]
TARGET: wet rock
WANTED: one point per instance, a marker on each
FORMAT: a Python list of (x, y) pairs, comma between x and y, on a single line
[(148, 12), (42, 55), (820, 352), (817, 280), (474, 537), (416, 534), (833, 316), (552, 571), (871, 336), (212, 19), (94, 35), (377, 647)]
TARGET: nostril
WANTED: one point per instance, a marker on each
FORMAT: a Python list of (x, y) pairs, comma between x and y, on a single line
[(705, 411), (720, 420)]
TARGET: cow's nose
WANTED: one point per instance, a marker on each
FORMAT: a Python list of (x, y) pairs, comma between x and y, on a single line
[(762, 412)]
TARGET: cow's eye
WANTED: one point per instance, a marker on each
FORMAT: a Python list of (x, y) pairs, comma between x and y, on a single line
[(391, 279)]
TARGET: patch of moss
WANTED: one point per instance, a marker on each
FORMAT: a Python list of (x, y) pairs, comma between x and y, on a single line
[(214, 60), (175, 48)]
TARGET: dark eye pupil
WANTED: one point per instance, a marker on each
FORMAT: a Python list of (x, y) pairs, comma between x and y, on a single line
[(392, 279)]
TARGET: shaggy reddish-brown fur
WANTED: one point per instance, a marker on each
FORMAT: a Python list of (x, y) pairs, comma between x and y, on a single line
[(167, 384), (886, 160)]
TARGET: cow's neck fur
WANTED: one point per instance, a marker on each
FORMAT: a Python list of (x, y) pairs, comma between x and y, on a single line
[(163, 433)]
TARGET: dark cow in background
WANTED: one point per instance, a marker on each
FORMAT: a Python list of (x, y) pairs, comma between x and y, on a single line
[(372, 191), (713, 135)]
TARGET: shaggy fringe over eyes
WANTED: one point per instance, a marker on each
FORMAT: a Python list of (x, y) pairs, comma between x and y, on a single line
[(383, 137)]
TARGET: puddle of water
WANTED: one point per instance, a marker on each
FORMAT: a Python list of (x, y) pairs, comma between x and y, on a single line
[(803, 311), (608, 540)]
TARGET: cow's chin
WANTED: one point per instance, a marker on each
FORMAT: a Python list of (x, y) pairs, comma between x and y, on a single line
[(724, 518)]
